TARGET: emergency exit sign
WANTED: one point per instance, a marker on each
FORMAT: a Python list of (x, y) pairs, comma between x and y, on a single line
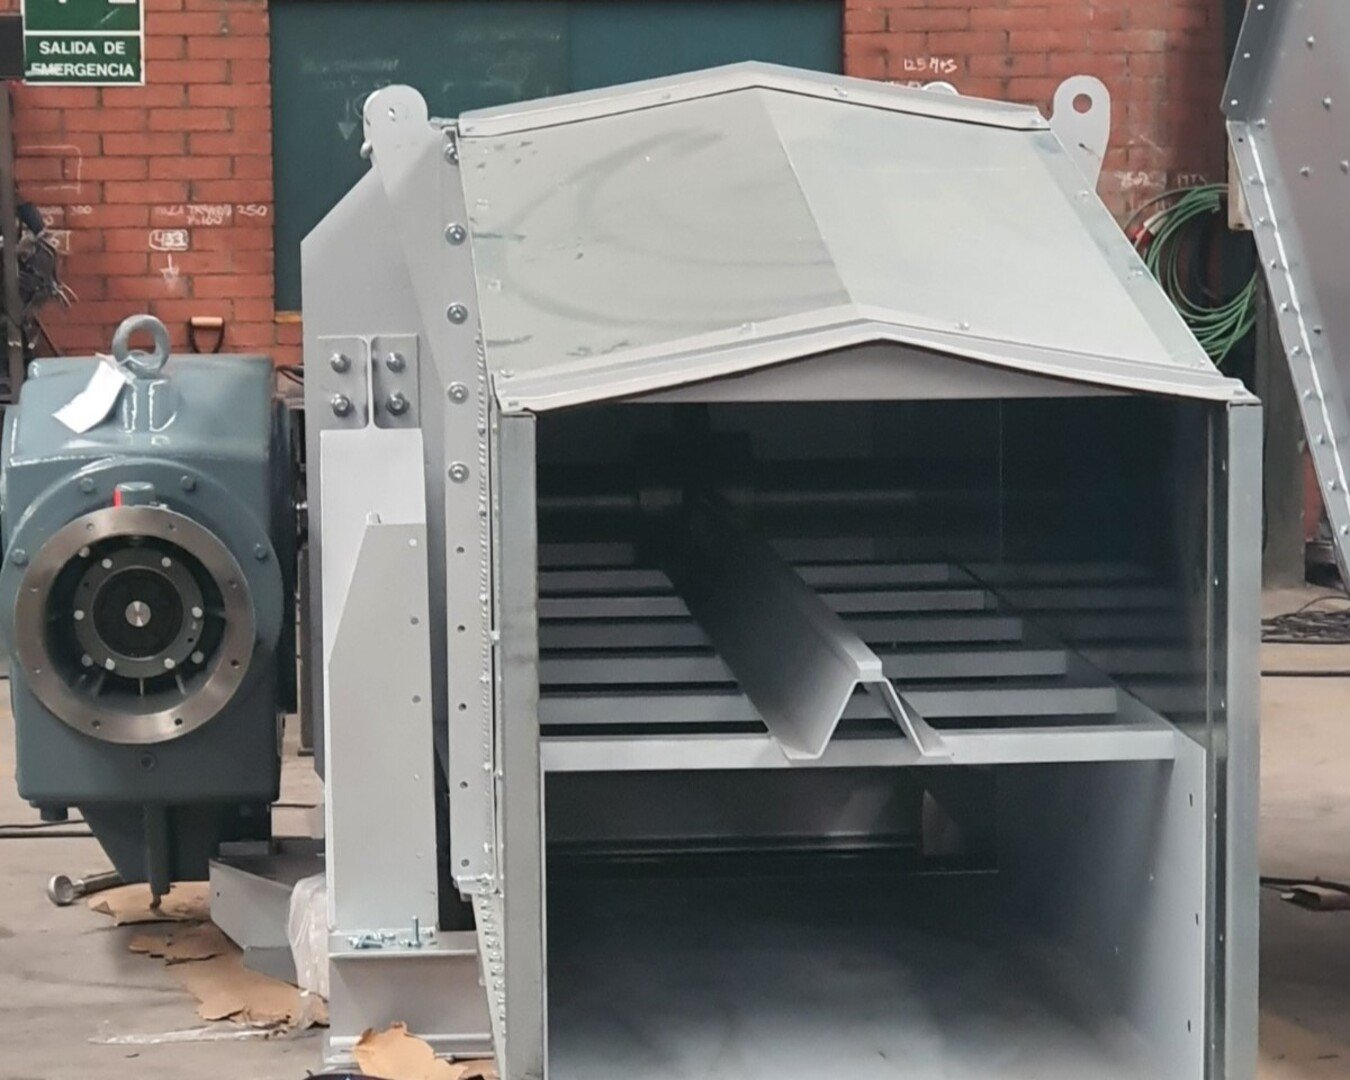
[(84, 42)]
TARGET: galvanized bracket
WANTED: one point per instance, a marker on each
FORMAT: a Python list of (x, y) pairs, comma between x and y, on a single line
[(1084, 132), (417, 164), (795, 658), (342, 380), (395, 377)]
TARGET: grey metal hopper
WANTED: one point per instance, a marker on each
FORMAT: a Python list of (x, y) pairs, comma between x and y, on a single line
[(780, 457)]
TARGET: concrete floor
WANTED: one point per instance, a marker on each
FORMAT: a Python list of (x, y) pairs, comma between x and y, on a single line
[(68, 983)]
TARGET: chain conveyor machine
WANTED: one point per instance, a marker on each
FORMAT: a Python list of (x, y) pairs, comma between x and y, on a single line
[(787, 589)]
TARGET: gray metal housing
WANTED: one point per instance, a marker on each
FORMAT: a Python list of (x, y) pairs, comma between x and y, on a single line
[(1287, 93), (564, 296), (205, 434)]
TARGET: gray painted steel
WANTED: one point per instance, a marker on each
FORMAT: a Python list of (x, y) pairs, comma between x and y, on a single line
[(179, 492), (1286, 100)]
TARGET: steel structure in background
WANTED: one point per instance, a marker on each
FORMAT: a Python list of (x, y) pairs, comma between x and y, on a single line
[(1286, 101), (714, 246)]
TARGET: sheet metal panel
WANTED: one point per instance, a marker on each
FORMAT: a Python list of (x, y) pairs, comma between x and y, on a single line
[(645, 237), (1287, 99)]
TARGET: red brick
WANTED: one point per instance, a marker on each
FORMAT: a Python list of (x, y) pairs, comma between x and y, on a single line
[(256, 94), (124, 240), (243, 23), (63, 97), (259, 335), (190, 168), (115, 263), (30, 121), (1048, 40), (232, 191), (935, 18), (223, 143), (144, 145), (187, 71), (28, 169), (181, 24), (105, 120), (226, 47), (252, 119), (234, 238), (148, 286), (243, 72), (146, 191), (253, 167), (228, 285), (967, 42), (863, 20), (164, 48), (106, 168), (144, 97), (177, 311), (193, 119)]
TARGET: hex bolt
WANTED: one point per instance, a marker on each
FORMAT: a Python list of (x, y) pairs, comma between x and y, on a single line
[(1326, 103), (340, 362), (459, 472), (455, 233), (452, 153), (396, 403), (341, 403), (459, 393), (260, 552), (87, 484), (395, 362), (18, 557), (457, 314), (187, 483)]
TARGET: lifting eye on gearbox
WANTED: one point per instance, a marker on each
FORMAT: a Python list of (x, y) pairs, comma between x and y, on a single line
[(134, 624)]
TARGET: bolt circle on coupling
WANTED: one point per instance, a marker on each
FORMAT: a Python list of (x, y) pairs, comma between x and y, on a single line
[(459, 472), (341, 403), (457, 314), (455, 233), (396, 403), (339, 362)]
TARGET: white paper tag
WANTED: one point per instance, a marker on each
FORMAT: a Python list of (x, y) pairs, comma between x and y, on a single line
[(92, 404)]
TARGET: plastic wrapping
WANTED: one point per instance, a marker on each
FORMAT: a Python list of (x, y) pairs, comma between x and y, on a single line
[(307, 932)]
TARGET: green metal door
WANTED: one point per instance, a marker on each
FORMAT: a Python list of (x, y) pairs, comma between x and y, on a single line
[(328, 55)]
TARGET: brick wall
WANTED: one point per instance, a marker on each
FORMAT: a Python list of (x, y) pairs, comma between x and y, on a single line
[(162, 195), (1162, 60)]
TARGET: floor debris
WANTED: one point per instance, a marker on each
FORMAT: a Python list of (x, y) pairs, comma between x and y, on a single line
[(128, 904), (393, 1054)]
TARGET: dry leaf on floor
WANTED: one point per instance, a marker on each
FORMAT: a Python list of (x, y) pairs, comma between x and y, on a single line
[(188, 901), (393, 1054), (178, 944)]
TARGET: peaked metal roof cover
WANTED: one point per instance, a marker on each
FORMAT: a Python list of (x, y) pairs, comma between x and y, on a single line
[(1287, 101), (641, 237)]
